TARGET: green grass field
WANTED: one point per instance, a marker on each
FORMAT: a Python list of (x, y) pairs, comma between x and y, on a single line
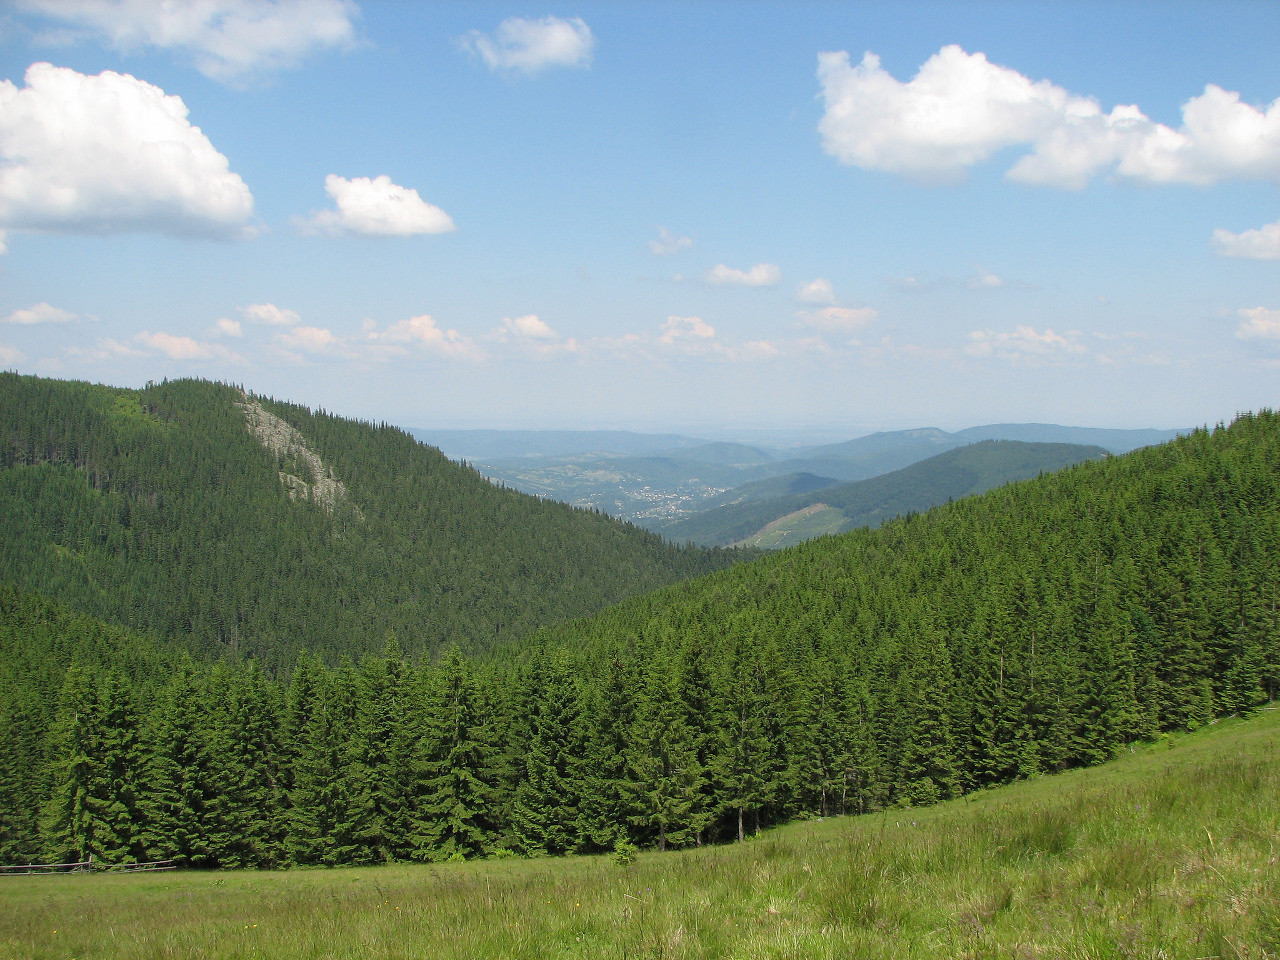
[(1171, 851)]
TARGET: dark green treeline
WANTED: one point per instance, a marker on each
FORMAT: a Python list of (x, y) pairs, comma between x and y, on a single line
[(1039, 627), (158, 509)]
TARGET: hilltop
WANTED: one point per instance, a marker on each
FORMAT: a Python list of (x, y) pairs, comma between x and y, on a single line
[(249, 527)]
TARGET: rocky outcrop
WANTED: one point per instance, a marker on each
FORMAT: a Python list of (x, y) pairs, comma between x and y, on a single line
[(319, 484)]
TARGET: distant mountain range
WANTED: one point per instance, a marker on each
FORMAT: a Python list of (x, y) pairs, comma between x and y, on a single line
[(661, 480), (782, 521)]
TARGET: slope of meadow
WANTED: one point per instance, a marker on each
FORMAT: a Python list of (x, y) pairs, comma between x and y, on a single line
[(1169, 851)]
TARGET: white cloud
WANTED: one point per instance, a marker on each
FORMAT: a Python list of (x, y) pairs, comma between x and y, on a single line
[(960, 109), (110, 154), (839, 319), (816, 291), (667, 243), (1023, 343), (532, 45), (761, 275), (423, 331), (227, 327), (378, 208), (686, 329), (984, 280), (228, 40), (181, 348), (270, 314), (1260, 244), (11, 355), (1259, 323), (528, 327), (308, 339), (104, 348), (40, 313)]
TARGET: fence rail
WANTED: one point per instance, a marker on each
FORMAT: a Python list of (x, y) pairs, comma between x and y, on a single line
[(85, 866)]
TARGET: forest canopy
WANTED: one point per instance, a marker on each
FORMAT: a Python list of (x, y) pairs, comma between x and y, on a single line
[(1038, 627)]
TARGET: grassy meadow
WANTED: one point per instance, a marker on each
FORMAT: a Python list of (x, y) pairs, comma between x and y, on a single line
[(1171, 851)]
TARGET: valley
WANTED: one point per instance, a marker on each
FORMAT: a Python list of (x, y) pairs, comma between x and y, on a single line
[(668, 483)]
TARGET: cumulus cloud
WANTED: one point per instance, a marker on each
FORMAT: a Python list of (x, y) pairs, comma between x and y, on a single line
[(10, 355), (41, 313), (1022, 343), (529, 46), (667, 243), (816, 291), (959, 109), (181, 348), (423, 332), (308, 339), (761, 275), (110, 154), (226, 327), (270, 315), (1259, 323), (839, 319), (377, 207), (1260, 244), (228, 40), (528, 327), (686, 329), (531, 334)]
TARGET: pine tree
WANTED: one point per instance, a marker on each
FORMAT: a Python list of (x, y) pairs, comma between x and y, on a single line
[(454, 814), (93, 811)]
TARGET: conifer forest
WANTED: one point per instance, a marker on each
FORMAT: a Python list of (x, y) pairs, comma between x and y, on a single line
[(337, 647)]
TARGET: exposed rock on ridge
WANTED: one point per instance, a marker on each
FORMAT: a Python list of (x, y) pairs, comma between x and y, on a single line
[(283, 440)]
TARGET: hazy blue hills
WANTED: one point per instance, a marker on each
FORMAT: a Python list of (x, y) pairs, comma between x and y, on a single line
[(787, 520), (657, 480), (484, 445)]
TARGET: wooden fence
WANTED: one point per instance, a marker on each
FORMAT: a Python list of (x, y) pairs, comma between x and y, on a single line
[(86, 866)]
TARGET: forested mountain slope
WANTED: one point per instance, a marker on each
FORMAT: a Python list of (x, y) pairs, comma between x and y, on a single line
[(258, 528), (957, 473), (1038, 627)]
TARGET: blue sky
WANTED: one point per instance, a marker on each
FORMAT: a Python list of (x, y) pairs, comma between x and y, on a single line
[(717, 218)]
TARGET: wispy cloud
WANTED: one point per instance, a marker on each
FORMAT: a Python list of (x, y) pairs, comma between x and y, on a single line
[(40, 313), (424, 334), (1259, 323), (270, 315), (530, 46), (1024, 343), (817, 291), (839, 319), (761, 275), (228, 40), (177, 347), (1260, 244), (668, 243)]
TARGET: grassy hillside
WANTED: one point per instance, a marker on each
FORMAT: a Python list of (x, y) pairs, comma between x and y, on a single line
[(189, 509), (1167, 852), (791, 519)]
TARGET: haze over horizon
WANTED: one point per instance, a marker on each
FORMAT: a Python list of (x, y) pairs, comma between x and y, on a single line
[(723, 220)]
